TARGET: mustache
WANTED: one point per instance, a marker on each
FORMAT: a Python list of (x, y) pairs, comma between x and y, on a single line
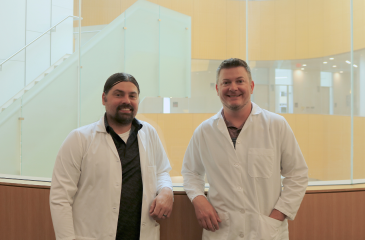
[(124, 105)]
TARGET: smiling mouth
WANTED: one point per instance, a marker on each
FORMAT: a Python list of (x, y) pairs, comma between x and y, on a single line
[(234, 96), (125, 110)]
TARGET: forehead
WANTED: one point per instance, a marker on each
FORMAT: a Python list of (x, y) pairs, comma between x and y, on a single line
[(126, 87), (234, 72)]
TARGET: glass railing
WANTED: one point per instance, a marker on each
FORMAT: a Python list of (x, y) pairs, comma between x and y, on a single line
[(304, 69)]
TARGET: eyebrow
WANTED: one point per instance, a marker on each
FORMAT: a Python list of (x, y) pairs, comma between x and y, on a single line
[(120, 91), (235, 79)]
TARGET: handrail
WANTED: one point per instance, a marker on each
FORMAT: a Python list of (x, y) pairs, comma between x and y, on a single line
[(36, 39)]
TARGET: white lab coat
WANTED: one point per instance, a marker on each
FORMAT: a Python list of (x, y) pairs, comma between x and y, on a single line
[(245, 183), (87, 180)]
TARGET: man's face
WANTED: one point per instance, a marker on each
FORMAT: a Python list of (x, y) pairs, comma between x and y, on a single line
[(121, 102), (234, 88)]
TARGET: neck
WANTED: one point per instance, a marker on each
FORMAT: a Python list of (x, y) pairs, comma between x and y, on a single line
[(238, 118), (117, 127)]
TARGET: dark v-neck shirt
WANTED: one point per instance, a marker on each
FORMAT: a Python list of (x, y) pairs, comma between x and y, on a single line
[(129, 220)]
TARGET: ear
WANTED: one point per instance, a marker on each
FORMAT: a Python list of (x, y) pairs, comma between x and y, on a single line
[(216, 88), (252, 86), (103, 98)]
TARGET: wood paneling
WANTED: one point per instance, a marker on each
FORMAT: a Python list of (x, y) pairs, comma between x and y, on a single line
[(334, 214), (25, 213)]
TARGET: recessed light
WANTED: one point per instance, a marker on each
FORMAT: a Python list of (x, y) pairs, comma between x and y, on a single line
[(302, 68), (304, 65), (348, 61), (334, 66), (331, 58), (325, 62), (355, 65), (341, 71)]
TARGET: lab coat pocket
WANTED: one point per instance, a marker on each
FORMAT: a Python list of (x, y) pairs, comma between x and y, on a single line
[(223, 231), (152, 181), (269, 228), (260, 162)]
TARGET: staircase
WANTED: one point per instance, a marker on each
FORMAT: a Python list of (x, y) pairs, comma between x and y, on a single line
[(33, 83)]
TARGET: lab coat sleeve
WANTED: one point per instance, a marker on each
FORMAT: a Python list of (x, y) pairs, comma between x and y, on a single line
[(65, 178), (295, 173), (193, 170), (162, 165)]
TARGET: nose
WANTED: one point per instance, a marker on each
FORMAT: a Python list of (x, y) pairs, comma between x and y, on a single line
[(233, 87), (125, 99)]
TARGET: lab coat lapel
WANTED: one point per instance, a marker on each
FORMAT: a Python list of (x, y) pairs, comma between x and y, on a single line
[(111, 144), (223, 128), (100, 127), (142, 149)]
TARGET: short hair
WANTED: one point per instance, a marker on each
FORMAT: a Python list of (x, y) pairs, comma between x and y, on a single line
[(118, 78), (231, 63)]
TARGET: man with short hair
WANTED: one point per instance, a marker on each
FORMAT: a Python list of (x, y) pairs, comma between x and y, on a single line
[(107, 174), (243, 150)]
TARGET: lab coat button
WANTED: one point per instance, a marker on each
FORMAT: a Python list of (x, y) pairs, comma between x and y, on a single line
[(242, 211), (241, 235), (236, 165), (238, 142), (239, 189)]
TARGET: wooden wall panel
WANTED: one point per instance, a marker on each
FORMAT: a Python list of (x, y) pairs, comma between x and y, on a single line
[(25, 213), (324, 214)]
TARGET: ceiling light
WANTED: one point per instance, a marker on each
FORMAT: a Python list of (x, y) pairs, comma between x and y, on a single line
[(341, 71), (304, 65), (348, 61), (334, 66), (302, 68), (355, 65), (325, 62), (331, 58)]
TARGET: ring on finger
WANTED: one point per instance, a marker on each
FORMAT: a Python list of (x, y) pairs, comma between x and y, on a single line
[(164, 215)]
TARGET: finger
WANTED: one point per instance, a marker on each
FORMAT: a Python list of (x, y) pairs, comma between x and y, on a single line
[(203, 224), (209, 225), (217, 217), (168, 214), (153, 205), (215, 222), (161, 213)]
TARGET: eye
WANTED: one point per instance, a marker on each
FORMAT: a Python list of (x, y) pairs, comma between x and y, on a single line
[(239, 81)]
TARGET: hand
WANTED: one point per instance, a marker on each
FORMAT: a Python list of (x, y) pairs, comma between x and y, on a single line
[(206, 214), (276, 214), (161, 206)]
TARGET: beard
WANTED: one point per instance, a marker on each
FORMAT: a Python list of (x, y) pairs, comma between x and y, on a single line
[(235, 107), (124, 118)]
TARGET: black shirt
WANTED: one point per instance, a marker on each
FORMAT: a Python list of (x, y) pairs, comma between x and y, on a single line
[(129, 220)]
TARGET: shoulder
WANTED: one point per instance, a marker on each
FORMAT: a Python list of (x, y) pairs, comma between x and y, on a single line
[(206, 125), (84, 133), (274, 117)]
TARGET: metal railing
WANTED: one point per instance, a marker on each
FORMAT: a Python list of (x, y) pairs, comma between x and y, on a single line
[(74, 18)]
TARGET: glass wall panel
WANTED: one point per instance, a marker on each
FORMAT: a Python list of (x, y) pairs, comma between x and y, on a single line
[(359, 90), (10, 139), (300, 71), (303, 69), (33, 88)]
